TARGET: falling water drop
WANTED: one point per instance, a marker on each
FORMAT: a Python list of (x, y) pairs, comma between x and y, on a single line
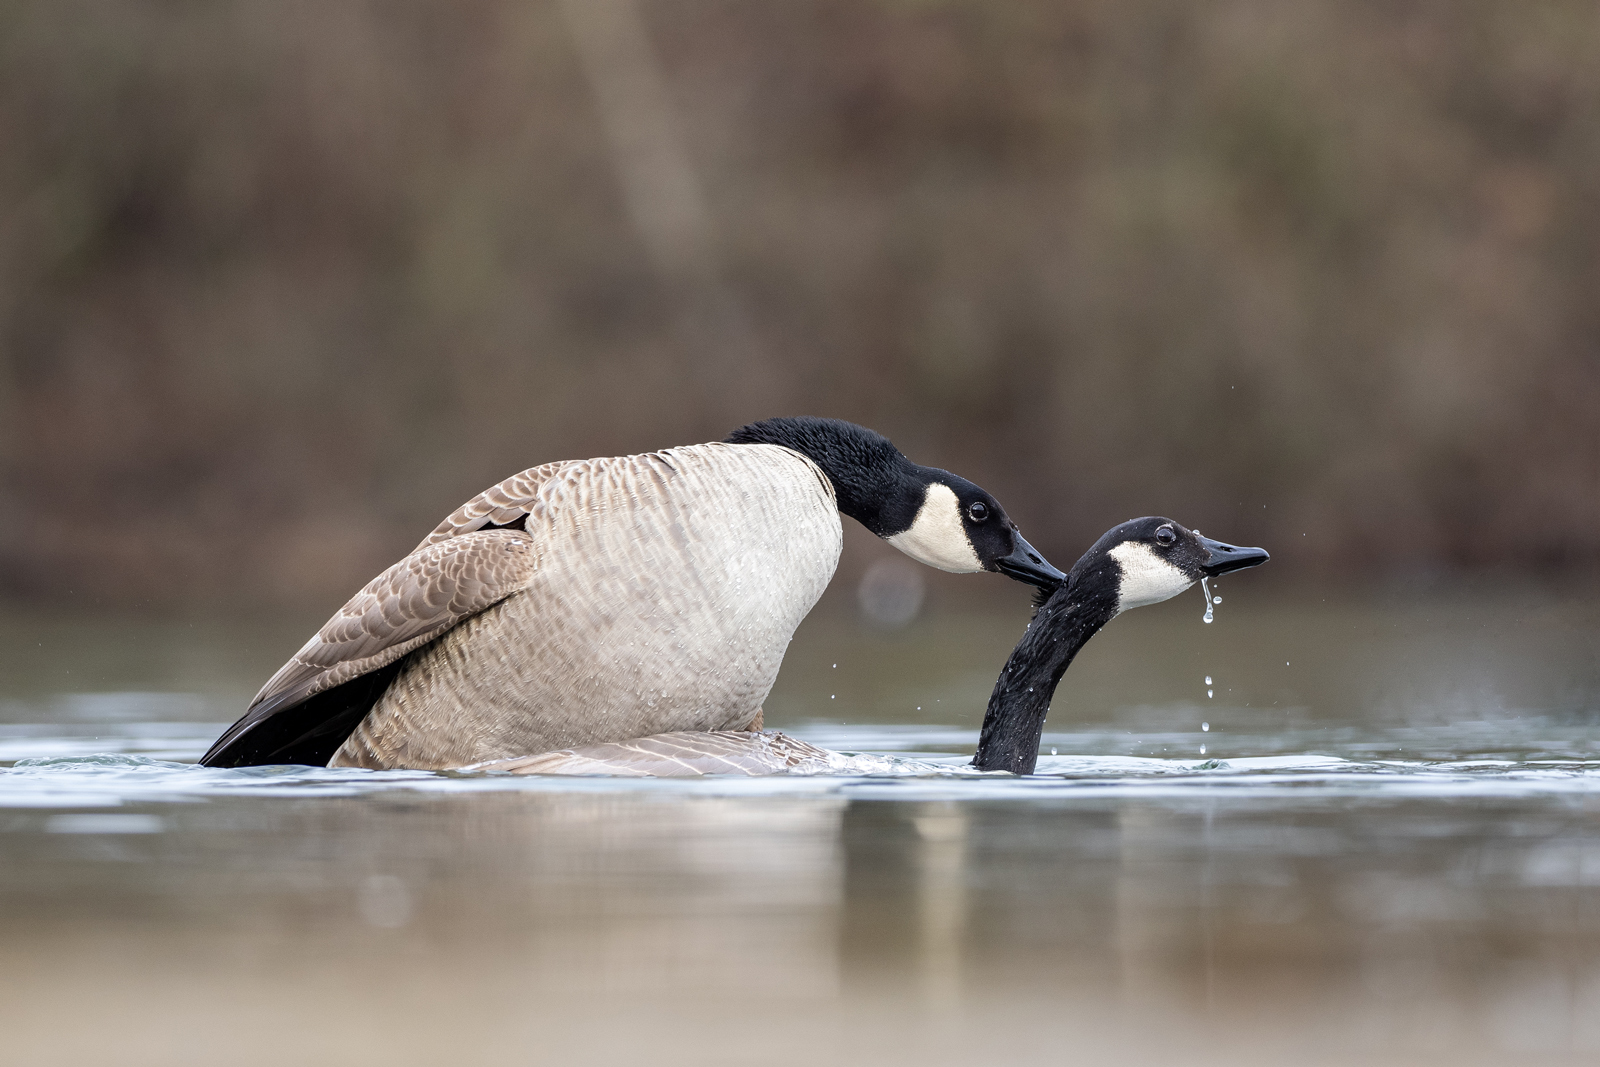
[(1052, 750), (1202, 750), (1205, 728), (1210, 693), (1206, 589), (1208, 679)]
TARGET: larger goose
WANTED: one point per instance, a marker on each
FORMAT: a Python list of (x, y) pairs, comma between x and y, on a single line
[(1141, 562), (599, 600)]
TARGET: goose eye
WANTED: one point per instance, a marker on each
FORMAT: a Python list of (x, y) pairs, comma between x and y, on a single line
[(978, 511), (1166, 535)]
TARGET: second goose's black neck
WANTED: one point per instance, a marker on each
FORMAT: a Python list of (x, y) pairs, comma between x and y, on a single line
[(1014, 720), (875, 484)]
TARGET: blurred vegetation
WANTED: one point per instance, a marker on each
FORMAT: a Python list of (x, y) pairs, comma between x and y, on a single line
[(283, 283)]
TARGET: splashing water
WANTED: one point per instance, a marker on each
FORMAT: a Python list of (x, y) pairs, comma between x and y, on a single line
[(1206, 589)]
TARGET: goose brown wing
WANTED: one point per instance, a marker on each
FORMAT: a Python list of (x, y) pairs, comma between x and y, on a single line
[(402, 609), (570, 481), (506, 504)]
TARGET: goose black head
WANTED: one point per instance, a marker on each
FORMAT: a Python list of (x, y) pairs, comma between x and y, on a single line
[(931, 515), (1145, 561)]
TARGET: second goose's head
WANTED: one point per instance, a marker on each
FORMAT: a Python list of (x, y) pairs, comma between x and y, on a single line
[(1145, 561), (931, 515)]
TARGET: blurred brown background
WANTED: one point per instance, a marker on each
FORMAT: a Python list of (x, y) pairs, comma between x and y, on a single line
[(283, 283)]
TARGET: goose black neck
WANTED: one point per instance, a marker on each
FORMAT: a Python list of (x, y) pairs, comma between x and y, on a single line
[(1014, 720), (874, 483)]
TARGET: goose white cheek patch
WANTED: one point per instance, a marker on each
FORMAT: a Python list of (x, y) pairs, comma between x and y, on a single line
[(1146, 577), (937, 537)]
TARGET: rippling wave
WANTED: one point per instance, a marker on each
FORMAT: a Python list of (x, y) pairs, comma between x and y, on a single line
[(53, 767)]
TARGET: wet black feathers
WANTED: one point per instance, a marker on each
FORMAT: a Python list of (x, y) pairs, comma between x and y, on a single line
[(309, 732)]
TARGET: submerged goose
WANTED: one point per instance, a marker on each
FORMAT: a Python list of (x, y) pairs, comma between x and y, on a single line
[(1141, 562), (594, 601)]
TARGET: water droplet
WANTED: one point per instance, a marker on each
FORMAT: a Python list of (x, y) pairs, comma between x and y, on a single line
[(1208, 679), (1208, 693), (1205, 728), (1052, 750), (1206, 589), (1202, 750), (1216, 600)]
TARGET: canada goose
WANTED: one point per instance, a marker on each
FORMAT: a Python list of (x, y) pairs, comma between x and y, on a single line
[(599, 600), (1141, 562)]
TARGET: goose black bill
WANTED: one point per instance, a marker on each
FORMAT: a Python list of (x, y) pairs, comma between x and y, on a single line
[(1223, 559), (1026, 565)]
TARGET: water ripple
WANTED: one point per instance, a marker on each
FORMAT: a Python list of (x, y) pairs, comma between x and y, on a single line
[(54, 770)]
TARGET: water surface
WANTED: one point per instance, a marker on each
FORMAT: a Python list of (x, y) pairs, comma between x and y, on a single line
[(1379, 841)]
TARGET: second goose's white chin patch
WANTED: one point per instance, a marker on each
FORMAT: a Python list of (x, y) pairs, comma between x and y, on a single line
[(937, 536), (1146, 577)]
